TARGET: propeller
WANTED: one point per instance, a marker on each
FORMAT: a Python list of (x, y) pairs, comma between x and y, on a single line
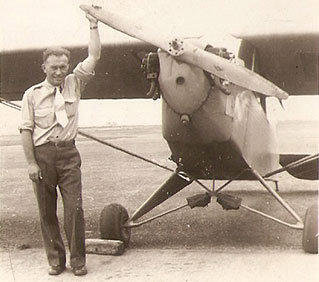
[(188, 52)]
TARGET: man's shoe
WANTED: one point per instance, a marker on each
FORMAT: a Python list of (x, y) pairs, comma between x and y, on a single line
[(56, 270), (80, 271)]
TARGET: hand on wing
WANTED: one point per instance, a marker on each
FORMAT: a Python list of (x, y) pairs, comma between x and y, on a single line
[(91, 18), (35, 173)]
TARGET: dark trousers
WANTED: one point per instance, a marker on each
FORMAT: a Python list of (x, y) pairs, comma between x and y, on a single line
[(60, 167)]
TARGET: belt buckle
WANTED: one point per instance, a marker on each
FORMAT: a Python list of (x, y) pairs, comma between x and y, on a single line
[(57, 143)]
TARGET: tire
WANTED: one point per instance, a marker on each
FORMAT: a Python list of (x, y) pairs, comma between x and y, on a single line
[(112, 218), (310, 232)]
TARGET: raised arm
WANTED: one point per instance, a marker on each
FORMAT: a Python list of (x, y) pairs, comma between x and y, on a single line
[(94, 48)]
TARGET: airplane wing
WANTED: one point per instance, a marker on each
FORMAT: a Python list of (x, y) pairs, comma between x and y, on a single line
[(118, 73), (288, 58)]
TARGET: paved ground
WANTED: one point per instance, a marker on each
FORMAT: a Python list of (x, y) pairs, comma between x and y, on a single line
[(226, 265)]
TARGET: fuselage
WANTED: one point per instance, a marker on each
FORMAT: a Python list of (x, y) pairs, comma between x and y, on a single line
[(213, 133)]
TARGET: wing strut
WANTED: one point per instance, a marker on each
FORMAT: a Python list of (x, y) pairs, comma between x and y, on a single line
[(294, 164), (18, 107), (179, 175), (10, 104)]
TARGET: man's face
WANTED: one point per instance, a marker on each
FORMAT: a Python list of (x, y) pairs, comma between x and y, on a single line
[(56, 68)]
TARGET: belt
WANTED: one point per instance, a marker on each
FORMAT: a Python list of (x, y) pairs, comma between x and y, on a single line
[(69, 143)]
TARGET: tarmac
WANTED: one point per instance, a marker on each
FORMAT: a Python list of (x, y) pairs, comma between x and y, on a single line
[(222, 265)]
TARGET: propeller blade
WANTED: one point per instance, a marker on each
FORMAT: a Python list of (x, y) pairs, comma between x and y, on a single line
[(230, 71), (127, 26), (185, 51)]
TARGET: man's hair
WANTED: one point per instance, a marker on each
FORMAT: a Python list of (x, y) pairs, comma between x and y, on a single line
[(56, 51)]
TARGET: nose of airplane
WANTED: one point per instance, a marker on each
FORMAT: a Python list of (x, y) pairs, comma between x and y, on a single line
[(185, 87)]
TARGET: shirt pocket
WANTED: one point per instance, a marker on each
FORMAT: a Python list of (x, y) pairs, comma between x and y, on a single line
[(70, 107), (44, 118)]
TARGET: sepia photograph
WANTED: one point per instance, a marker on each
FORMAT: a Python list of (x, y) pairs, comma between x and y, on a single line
[(164, 140)]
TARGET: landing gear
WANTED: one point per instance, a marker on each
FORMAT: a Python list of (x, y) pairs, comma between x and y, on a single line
[(112, 219), (116, 224), (310, 232)]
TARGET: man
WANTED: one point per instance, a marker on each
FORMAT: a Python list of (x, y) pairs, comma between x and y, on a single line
[(48, 129)]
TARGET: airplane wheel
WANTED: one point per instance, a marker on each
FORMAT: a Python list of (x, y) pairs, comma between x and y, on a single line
[(112, 218), (310, 232)]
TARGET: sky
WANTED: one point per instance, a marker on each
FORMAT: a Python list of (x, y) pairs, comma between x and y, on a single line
[(39, 23)]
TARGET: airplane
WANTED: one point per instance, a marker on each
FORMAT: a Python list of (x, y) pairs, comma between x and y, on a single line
[(214, 110)]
